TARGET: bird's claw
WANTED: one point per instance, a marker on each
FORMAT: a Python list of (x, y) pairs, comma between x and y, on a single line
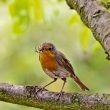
[(40, 90), (60, 96)]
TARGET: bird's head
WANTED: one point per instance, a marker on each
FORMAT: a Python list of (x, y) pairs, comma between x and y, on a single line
[(46, 47)]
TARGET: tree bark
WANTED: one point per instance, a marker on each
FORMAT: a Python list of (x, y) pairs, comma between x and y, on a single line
[(26, 95), (95, 17), (105, 4)]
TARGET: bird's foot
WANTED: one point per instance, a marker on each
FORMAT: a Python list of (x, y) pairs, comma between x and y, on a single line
[(60, 96), (39, 90)]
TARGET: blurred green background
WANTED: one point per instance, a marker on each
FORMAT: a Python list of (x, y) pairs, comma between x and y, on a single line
[(25, 24)]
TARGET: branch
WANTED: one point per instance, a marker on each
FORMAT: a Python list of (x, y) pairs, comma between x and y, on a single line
[(97, 18), (105, 4), (26, 95)]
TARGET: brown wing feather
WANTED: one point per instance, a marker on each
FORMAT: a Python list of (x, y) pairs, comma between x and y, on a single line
[(63, 62)]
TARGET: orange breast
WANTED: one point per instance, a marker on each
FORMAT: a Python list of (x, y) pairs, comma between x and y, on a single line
[(48, 61)]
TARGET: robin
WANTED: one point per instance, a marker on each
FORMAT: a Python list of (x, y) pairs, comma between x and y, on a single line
[(56, 65)]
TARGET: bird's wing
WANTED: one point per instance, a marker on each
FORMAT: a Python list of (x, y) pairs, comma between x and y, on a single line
[(65, 63)]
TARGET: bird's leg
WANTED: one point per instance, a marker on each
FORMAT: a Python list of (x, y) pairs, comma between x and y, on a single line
[(40, 89), (61, 92)]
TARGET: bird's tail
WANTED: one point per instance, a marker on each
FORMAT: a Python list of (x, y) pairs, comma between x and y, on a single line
[(78, 81)]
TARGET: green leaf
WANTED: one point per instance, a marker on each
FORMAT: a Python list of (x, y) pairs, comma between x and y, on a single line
[(74, 19), (85, 38), (19, 11), (37, 10)]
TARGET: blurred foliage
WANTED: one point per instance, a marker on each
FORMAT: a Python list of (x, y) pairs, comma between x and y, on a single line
[(20, 14), (26, 23), (105, 0)]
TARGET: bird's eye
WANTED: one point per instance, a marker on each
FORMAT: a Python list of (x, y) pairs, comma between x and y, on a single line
[(50, 48)]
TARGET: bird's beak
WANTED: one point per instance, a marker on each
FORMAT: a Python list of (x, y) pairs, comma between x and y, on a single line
[(37, 51)]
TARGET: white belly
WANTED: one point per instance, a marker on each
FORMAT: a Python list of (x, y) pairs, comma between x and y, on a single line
[(60, 73)]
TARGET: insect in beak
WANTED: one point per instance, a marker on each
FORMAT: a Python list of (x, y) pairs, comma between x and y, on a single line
[(37, 51)]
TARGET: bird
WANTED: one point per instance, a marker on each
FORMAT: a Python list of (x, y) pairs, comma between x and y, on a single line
[(56, 65)]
